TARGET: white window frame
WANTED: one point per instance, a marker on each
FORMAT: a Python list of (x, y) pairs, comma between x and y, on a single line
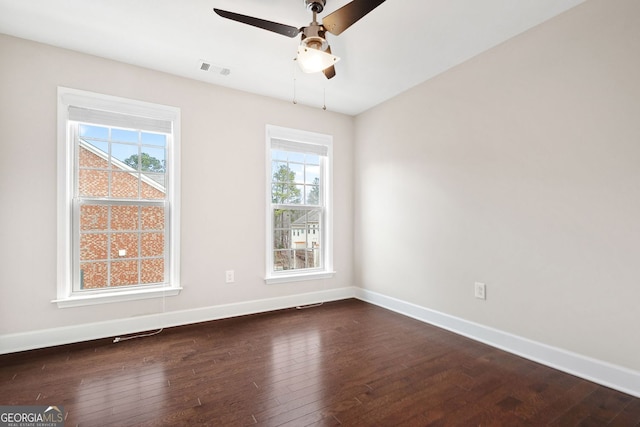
[(301, 138), (67, 239)]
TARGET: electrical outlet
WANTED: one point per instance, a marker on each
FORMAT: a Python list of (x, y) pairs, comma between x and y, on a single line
[(480, 290), (229, 276)]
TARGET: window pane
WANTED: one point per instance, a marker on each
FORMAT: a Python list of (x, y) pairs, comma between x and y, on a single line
[(274, 169), (91, 157), (279, 155), (124, 273), (296, 239), (93, 183), (283, 260), (153, 159), (93, 246), (312, 159), (152, 270), (152, 244), (124, 185), (125, 153), (154, 139), (282, 173), (298, 171), (312, 194), (123, 135), (91, 131), (152, 218), (124, 217), (301, 258), (300, 195), (101, 147), (283, 218), (152, 186), (124, 245), (93, 217), (295, 157), (281, 239), (312, 175), (93, 275), (285, 193)]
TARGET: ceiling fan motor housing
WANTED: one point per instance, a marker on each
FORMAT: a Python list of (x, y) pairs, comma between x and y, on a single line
[(313, 36), (316, 6)]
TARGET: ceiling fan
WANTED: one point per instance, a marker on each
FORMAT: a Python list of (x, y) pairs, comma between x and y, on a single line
[(314, 52)]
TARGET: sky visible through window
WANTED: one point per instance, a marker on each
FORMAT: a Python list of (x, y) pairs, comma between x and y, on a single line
[(124, 143), (306, 168)]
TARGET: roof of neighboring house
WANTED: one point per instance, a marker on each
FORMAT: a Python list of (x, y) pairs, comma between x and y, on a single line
[(155, 180), (312, 217)]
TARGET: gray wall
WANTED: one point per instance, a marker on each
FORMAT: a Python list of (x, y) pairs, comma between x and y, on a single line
[(223, 185), (521, 169)]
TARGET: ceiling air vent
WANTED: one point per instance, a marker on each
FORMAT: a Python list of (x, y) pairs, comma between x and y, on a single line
[(216, 69)]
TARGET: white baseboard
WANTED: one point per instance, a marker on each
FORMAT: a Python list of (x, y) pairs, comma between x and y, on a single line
[(11, 343), (597, 371), (609, 375)]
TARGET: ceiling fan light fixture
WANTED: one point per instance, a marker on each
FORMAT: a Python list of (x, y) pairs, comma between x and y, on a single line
[(312, 57)]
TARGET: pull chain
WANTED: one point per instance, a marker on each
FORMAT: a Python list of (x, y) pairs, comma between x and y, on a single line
[(324, 99), (295, 100)]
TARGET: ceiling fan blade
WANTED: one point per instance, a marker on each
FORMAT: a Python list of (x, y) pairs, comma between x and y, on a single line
[(338, 21), (329, 72), (285, 30)]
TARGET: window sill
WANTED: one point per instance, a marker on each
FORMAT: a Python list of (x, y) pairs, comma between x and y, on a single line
[(108, 297), (297, 277)]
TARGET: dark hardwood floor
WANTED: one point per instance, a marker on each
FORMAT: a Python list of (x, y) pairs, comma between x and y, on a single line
[(344, 363)]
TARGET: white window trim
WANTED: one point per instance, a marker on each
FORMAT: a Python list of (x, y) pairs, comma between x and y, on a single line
[(65, 295), (306, 137)]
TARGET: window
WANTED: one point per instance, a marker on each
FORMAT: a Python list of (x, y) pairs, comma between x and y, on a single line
[(299, 244), (118, 201)]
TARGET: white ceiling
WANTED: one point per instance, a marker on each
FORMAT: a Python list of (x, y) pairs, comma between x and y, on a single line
[(399, 45)]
